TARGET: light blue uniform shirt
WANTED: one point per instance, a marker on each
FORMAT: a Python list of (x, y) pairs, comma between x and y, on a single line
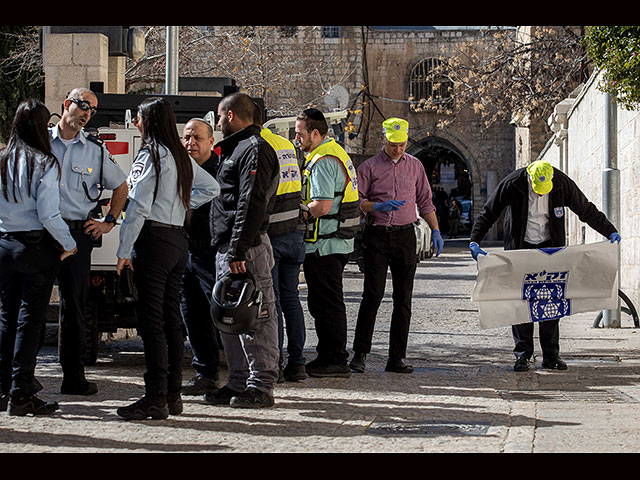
[(167, 207), (40, 209), (328, 177), (82, 161)]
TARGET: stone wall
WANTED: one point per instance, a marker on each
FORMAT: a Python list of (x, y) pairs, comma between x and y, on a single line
[(582, 156)]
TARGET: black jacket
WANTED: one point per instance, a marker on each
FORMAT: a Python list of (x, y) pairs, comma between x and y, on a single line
[(248, 178), (512, 195), (197, 224)]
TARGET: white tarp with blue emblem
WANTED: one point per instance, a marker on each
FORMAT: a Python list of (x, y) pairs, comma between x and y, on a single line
[(520, 286)]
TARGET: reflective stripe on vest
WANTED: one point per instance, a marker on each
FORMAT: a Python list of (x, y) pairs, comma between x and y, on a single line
[(348, 215), (286, 210)]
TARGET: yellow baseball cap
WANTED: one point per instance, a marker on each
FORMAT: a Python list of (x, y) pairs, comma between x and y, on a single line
[(396, 130), (541, 174)]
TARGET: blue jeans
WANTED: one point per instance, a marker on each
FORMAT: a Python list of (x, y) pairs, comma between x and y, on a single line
[(197, 284), (288, 254)]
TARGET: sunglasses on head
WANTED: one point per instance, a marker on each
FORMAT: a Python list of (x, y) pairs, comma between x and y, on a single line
[(84, 105)]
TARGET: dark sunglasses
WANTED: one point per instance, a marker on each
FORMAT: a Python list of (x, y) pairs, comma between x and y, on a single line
[(84, 105)]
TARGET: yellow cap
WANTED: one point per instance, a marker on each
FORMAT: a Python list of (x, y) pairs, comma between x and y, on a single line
[(396, 130), (541, 173)]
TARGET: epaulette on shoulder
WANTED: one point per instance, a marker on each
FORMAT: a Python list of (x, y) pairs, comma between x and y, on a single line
[(95, 139)]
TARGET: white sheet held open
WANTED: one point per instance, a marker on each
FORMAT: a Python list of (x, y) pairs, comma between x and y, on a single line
[(520, 286)]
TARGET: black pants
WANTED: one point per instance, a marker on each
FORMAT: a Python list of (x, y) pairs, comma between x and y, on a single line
[(383, 250), (197, 284), (28, 267), (73, 283), (325, 300), (159, 260), (549, 331)]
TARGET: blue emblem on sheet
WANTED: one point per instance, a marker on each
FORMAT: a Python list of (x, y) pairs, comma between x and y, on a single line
[(545, 292)]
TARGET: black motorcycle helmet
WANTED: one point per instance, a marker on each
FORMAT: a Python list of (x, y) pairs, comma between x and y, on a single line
[(236, 302)]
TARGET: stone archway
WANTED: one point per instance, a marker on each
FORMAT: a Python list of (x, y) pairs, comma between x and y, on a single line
[(449, 172)]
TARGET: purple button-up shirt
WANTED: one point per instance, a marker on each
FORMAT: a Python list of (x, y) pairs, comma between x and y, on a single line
[(380, 179)]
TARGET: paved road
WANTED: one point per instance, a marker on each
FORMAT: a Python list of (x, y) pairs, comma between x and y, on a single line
[(463, 396)]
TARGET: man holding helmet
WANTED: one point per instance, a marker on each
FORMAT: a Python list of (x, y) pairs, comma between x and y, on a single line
[(248, 178)]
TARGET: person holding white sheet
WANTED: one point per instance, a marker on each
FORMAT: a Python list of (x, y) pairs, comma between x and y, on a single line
[(535, 198)]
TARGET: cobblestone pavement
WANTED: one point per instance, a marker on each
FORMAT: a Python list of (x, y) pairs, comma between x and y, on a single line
[(462, 397)]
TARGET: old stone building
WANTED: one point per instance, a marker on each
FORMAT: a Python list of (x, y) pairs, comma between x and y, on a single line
[(391, 62)]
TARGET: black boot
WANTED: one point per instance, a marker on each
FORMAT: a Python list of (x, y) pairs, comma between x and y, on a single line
[(21, 406)]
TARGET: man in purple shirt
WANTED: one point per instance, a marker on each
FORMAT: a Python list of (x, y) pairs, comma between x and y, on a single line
[(393, 189)]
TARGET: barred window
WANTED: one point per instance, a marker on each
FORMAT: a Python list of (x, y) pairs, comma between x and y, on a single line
[(428, 82), (331, 32)]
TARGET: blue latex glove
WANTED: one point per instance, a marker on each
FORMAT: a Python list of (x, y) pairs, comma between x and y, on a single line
[(476, 250), (615, 237), (437, 241), (388, 206)]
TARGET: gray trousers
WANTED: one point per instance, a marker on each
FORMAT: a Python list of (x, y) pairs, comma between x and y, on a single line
[(252, 358)]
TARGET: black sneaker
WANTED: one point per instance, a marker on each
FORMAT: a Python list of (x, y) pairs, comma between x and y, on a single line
[(81, 388), (332, 370), (145, 408), (4, 402), (521, 365), (199, 385), (174, 403), (252, 398), (222, 396), (358, 362), (294, 373), (554, 364), (30, 405)]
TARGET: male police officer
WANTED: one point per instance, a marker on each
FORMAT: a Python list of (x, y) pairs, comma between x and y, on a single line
[(87, 170)]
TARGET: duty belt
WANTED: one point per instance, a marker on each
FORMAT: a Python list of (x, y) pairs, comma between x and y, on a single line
[(75, 224), (153, 223)]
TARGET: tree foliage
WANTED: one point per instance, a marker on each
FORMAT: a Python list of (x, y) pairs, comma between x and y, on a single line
[(510, 74), (20, 72), (615, 50)]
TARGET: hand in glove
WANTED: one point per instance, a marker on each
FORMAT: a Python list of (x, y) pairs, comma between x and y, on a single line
[(388, 206), (476, 250), (615, 237), (437, 241)]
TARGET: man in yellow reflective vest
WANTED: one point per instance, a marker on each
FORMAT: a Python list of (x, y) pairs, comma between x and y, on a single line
[(287, 242), (331, 210)]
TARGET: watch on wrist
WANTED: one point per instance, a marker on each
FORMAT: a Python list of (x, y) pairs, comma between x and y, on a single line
[(111, 219)]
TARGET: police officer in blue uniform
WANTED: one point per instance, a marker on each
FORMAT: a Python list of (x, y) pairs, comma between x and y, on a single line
[(33, 240), (164, 184), (86, 170)]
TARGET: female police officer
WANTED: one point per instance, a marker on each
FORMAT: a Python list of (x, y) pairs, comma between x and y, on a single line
[(32, 236), (164, 184)]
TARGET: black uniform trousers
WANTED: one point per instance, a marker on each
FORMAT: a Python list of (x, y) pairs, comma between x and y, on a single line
[(29, 263), (159, 259), (395, 249), (549, 331), (325, 300), (73, 284)]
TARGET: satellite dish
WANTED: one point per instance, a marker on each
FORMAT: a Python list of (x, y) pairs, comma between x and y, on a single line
[(337, 98)]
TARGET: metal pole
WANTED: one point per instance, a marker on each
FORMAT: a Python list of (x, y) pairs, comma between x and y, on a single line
[(611, 189), (172, 61)]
